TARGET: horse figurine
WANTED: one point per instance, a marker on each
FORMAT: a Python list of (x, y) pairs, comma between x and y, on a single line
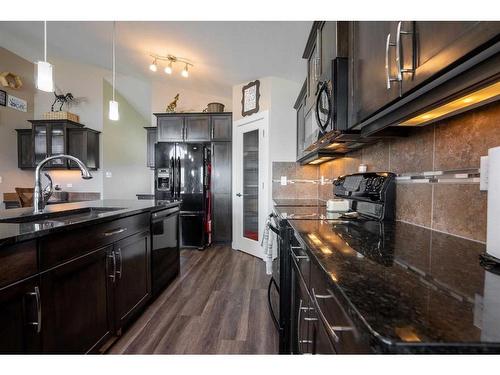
[(171, 107), (63, 99)]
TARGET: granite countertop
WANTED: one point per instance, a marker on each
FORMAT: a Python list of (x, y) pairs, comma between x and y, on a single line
[(15, 232), (302, 202), (413, 288)]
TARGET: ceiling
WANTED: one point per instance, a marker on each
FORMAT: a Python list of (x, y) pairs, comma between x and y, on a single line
[(223, 53)]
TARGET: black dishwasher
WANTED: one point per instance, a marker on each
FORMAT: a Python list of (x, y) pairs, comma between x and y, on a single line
[(165, 257)]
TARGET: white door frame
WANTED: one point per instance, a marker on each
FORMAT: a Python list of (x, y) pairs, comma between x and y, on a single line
[(256, 121)]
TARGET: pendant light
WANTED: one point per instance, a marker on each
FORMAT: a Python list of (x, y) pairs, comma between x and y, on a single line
[(184, 72), (43, 74), (114, 115)]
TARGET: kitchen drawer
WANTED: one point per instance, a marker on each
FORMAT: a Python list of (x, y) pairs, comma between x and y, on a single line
[(17, 262), (333, 316), (301, 260), (61, 247)]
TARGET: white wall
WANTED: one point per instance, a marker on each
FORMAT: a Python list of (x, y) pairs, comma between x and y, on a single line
[(85, 83)]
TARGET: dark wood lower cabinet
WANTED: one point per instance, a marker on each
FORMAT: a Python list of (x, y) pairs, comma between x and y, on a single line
[(19, 320), (76, 314), (133, 280)]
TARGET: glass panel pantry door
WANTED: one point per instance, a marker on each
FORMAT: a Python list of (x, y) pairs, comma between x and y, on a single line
[(250, 180), (251, 185)]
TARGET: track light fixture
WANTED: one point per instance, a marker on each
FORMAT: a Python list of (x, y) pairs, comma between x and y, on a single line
[(171, 60)]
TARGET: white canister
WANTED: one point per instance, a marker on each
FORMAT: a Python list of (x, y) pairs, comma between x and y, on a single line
[(337, 205)]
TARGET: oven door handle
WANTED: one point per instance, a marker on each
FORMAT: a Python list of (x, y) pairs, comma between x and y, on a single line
[(274, 229), (271, 311)]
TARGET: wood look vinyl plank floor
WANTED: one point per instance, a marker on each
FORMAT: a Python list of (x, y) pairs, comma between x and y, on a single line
[(217, 305)]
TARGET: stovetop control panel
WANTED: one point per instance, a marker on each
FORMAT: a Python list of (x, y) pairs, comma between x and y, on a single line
[(373, 193), (363, 185)]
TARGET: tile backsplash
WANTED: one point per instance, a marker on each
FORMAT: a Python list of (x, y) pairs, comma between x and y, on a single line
[(455, 143)]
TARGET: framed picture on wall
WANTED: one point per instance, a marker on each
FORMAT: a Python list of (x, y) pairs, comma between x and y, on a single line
[(3, 98), (250, 98)]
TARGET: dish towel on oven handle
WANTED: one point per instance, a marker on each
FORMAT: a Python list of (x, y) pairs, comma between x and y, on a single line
[(267, 244)]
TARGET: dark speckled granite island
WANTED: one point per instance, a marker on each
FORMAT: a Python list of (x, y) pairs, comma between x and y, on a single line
[(74, 277), (410, 289), (57, 218)]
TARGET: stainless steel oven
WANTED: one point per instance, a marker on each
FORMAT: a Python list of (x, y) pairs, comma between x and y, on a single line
[(165, 256)]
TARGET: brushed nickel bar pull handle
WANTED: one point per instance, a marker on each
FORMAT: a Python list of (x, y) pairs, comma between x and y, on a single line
[(332, 329), (296, 257), (38, 323), (113, 232), (119, 273), (213, 132), (300, 342), (399, 57), (322, 316), (113, 274), (388, 44)]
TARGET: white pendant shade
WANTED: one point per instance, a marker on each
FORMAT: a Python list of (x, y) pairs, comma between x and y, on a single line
[(43, 74), (114, 114)]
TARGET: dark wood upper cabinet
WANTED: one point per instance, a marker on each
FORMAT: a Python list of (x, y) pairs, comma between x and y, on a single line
[(391, 60), (151, 139), (19, 319), (24, 148), (194, 127), (221, 127), (432, 47), (370, 85), (84, 144), (170, 128), (327, 40), (300, 105), (76, 309), (197, 128), (55, 137), (132, 284), (50, 138)]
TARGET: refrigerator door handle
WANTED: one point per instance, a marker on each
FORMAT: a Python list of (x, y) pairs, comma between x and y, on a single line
[(178, 177), (172, 178)]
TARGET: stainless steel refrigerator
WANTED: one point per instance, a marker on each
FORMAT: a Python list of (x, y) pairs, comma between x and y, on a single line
[(182, 172)]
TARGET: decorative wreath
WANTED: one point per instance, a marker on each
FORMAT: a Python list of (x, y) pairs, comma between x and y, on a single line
[(8, 79)]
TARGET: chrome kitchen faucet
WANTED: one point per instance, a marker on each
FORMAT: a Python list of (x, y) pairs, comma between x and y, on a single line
[(38, 200)]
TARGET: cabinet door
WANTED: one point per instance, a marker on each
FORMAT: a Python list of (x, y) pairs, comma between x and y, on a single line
[(57, 144), (197, 128), (20, 306), (332, 315), (93, 160), (313, 71), (369, 76), (24, 148), (221, 167), (221, 127), (151, 141), (301, 123), (171, 129), (40, 142), (132, 285), (321, 343), (75, 301), (301, 316), (221, 217), (438, 44)]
